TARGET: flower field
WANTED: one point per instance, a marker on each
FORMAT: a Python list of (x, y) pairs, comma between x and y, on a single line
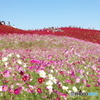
[(48, 67)]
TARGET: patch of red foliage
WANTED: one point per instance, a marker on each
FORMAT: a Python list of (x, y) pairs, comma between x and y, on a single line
[(83, 34)]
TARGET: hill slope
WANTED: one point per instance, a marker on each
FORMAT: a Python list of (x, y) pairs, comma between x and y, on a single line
[(83, 34)]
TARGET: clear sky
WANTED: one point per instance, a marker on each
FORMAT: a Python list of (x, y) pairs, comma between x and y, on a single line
[(37, 14)]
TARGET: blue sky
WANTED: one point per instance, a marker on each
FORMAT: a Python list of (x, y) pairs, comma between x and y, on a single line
[(37, 14)]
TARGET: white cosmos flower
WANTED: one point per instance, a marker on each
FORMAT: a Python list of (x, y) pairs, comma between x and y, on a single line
[(81, 76), (4, 59), (75, 89), (64, 88), (87, 73), (56, 71), (53, 79), (6, 63), (42, 73), (50, 76), (12, 86), (19, 61), (18, 56), (69, 91), (51, 71), (50, 91), (49, 87), (83, 91), (0, 88), (10, 55), (49, 83), (24, 65), (53, 67)]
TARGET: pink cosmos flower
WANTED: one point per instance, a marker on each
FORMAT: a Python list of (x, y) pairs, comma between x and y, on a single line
[(31, 67), (30, 90), (77, 80), (6, 73), (98, 75), (15, 79), (99, 59), (84, 81), (98, 80), (68, 81), (4, 88), (10, 90), (63, 95)]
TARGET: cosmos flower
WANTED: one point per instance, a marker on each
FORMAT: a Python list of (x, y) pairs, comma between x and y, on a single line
[(42, 73), (4, 88), (49, 83), (31, 67), (25, 78), (17, 91), (39, 90), (4, 59), (53, 79), (6, 73), (99, 81), (17, 55), (68, 81), (0, 88), (99, 59), (49, 87), (51, 71), (19, 62), (88, 85), (74, 88), (64, 88), (77, 80), (35, 61), (10, 90), (10, 55), (40, 80), (21, 73), (24, 65)]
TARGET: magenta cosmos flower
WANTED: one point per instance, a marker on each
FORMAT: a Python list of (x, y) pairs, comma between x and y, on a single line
[(35, 61), (88, 85), (39, 90), (17, 91), (25, 78)]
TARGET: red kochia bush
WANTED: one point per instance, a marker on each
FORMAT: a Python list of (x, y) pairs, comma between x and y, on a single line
[(83, 34)]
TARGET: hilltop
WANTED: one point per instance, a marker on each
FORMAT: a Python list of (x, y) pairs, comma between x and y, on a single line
[(83, 34)]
